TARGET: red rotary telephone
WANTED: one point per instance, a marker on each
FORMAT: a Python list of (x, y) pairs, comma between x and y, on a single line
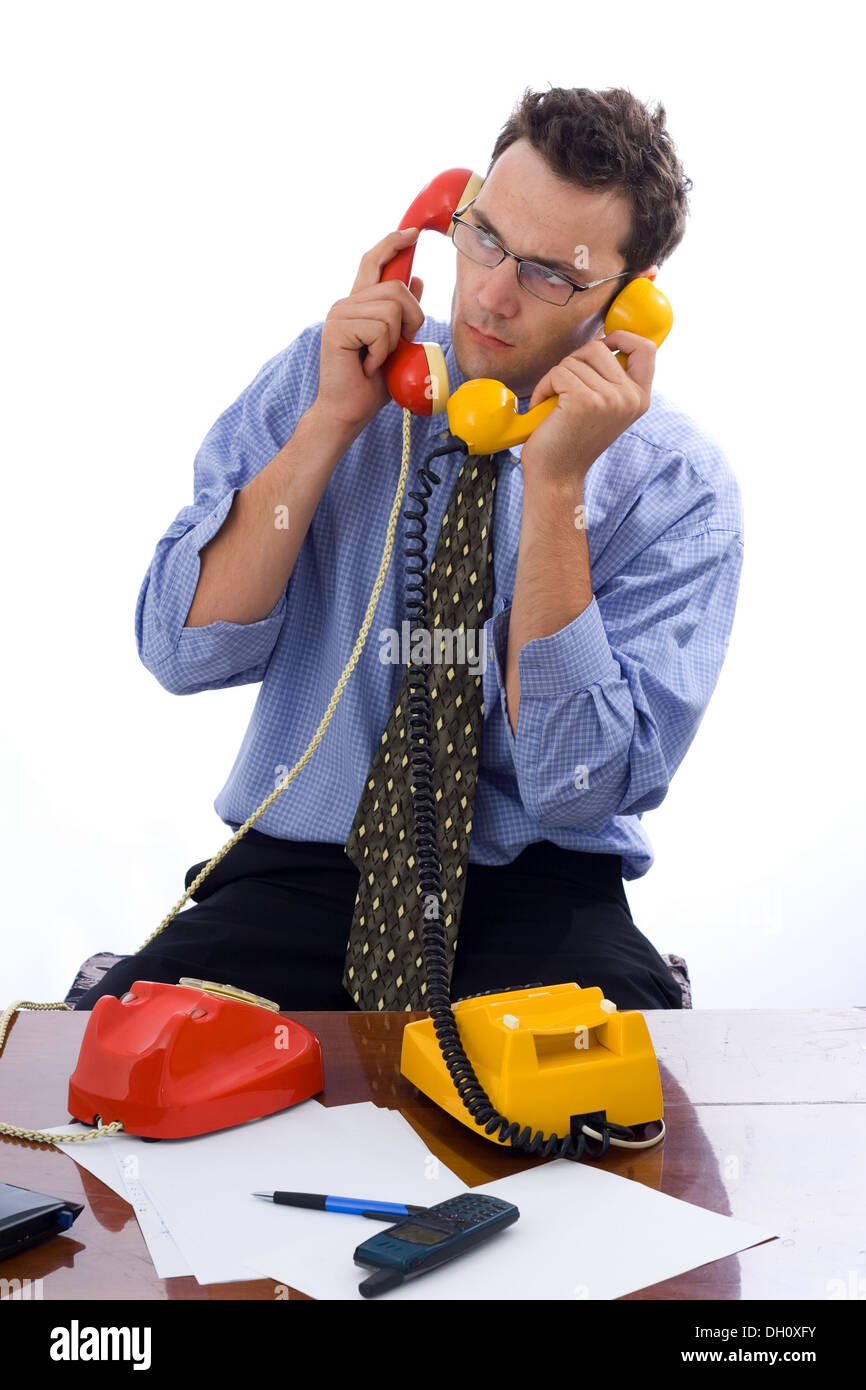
[(484, 413)]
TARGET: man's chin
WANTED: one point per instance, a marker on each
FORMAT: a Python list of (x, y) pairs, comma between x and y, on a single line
[(474, 362)]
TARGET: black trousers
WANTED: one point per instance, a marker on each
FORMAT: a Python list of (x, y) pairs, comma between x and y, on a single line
[(274, 915)]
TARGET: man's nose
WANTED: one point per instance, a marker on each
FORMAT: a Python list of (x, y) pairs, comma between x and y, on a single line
[(498, 289)]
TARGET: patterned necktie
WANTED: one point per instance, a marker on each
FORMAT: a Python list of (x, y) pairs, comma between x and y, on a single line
[(384, 961)]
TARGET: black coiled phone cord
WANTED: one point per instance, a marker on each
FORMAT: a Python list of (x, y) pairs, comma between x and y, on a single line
[(438, 995)]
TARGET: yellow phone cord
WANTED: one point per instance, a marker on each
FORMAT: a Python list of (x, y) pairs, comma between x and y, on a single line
[(8, 1014)]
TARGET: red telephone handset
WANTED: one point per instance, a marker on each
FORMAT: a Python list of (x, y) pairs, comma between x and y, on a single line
[(415, 373), (483, 413)]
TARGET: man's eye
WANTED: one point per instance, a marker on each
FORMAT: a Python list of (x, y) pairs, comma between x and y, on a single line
[(550, 277)]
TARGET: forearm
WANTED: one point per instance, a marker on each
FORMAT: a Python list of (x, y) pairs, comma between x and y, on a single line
[(553, 582), (248, 563)]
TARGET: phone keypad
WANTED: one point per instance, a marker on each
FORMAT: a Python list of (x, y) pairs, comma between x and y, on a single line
[(460, 1213)]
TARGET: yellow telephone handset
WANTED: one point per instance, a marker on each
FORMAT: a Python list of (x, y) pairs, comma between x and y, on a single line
[(483, 413)]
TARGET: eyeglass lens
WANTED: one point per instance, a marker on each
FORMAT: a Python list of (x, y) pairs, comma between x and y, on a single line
[(480, 247)]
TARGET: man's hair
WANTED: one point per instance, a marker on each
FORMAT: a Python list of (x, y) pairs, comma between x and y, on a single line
[(609, 140)]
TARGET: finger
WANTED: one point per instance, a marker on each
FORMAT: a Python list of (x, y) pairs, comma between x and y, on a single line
[(601, 359), (586, 372), (542, 390), (565, 376), (374, 341), (600, 390), (378, 351), (372, 335), (589, 374), (640, 355), (387, 329), (373, 262), (417, 286), (391, 300), (384, 340)]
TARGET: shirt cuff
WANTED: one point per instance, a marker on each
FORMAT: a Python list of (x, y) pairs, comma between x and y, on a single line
[(251, 642), (564, 663), (205, 530)]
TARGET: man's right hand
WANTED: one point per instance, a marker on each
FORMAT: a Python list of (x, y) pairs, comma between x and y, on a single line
[(374, 317)]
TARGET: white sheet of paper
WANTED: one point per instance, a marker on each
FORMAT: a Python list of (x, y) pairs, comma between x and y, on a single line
[(168, 1261), (96, 1155), (354, 1151), (582, 1233), (201, 1187), (111, 1162)]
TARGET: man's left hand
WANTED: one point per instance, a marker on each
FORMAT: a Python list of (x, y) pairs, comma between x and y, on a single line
[(598, 401)]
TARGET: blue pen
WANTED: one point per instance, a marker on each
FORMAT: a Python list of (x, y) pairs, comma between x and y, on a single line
[(353, 1206)]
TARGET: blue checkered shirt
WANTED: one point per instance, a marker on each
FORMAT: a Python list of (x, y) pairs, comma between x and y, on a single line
[(608, 705)]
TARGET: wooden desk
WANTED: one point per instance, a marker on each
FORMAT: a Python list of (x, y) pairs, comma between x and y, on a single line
[(765, 1121)]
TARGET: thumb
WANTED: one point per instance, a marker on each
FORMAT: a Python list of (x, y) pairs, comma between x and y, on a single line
[(416, 286)]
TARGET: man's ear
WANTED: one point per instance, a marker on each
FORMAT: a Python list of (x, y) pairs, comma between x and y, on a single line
[(650, 274)]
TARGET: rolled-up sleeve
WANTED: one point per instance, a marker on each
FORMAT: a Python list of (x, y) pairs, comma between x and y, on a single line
[(243, 440), (610, 704)]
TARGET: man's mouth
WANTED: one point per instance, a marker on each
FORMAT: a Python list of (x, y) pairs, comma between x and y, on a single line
[(486, 339)]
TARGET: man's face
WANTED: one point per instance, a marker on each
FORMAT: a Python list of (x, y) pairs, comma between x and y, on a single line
[(536, 214)]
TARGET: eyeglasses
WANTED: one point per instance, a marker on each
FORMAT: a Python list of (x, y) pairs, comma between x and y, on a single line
[(482, 247)]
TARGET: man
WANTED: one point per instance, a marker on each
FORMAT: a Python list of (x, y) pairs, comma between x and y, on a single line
[(616, 554)]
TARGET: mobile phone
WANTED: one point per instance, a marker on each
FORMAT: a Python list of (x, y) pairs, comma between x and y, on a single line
[(26, 1218), (440, 1234)]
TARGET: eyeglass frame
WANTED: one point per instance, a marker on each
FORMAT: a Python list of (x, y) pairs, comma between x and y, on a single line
[(457, 218)]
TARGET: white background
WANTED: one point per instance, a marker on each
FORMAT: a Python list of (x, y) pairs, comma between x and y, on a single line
[(189, 185)]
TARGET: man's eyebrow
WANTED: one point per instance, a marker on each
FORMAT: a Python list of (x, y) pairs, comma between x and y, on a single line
[(563, 267)]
